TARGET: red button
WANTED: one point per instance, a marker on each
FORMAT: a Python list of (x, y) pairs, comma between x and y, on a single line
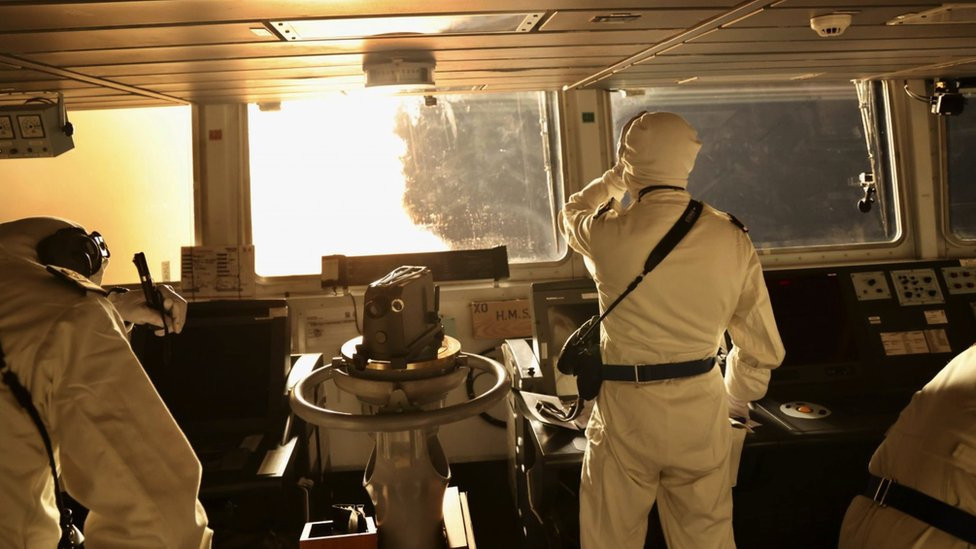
[(804, 409)]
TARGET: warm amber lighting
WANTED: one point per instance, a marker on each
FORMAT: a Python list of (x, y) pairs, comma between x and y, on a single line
[(327, 178), (130, 177)]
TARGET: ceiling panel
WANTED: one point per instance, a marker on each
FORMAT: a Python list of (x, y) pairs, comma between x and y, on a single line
[(118, 53), (330, 47), (586, 20), (826, 47), (855, 32), (799, 17), (130, 38), (71, 15), (540, 55)]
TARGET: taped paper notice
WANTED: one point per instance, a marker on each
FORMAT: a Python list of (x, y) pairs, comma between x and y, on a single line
[(916, 342), (217, 271), (938, 341), (937, 316), (904, 343)]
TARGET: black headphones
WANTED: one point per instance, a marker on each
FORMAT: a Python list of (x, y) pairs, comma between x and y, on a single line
[(74, 249)]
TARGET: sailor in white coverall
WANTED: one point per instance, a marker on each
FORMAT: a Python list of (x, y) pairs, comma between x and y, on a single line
[(119, 451), (667, 440), (931, 448)]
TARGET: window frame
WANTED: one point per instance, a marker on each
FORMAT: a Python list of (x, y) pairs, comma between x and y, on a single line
[(562, 267), (956, 245), (896, 124), (899, 248), (586, 148)]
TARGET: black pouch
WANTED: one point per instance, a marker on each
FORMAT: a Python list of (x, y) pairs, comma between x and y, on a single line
[(580, 356)]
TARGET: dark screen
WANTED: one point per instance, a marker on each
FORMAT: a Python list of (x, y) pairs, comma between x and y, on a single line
[(812, 320), (220, 371), (558, 308), (563, 319)]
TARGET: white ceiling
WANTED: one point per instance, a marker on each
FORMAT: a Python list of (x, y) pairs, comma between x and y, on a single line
[(158, 52)]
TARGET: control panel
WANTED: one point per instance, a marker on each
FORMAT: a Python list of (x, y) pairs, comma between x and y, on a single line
[(870, 285), (859, 328), (916, 286), (804, 410), (959, 280), (860, 340)]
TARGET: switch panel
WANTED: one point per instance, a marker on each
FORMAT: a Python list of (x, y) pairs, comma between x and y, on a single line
[(960, 280), (916, 287), (871, 285)]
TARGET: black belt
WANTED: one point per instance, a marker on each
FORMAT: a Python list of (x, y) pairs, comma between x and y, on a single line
[(656, 372), (951, 520)]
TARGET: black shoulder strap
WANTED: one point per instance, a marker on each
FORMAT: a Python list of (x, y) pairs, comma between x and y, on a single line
[(735, 221), (663, 248), (68, 532)]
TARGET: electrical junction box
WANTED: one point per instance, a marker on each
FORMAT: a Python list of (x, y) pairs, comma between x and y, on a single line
[(33, 130)]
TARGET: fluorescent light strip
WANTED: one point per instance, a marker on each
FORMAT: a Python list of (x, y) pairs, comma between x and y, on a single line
[(362, 27)]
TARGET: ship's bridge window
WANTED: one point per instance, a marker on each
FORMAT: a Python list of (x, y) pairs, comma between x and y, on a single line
[(785, 160), (362, 174), (961, 167), (129, 177)]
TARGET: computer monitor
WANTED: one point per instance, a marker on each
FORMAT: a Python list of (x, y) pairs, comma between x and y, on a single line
[(815, 327), (558, 308), (225, 372)]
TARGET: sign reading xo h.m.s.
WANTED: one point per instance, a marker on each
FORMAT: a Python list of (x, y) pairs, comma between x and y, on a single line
[(501, 319)]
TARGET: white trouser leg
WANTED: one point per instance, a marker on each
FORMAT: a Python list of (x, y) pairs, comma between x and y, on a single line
[(613, 507), (669, 440)]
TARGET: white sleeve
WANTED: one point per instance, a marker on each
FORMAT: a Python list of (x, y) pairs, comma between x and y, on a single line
[(577, 216), (757, 346), (122, 454)]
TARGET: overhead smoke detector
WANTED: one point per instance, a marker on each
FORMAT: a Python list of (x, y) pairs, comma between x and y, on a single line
[(399, 73), (830, 25)]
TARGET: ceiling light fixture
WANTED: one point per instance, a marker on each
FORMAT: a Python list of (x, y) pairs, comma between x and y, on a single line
[(364, 27), (399, 73), (944, 14)]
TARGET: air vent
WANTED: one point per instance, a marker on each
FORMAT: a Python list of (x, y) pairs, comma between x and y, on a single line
[(942, 15)]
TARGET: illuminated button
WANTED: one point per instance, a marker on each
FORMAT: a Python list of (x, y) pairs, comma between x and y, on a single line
[(804, 409)]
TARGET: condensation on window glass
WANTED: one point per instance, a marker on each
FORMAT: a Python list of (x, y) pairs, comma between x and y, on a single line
[(961, 164), (129, 177), (784, 160), (363, 174)]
